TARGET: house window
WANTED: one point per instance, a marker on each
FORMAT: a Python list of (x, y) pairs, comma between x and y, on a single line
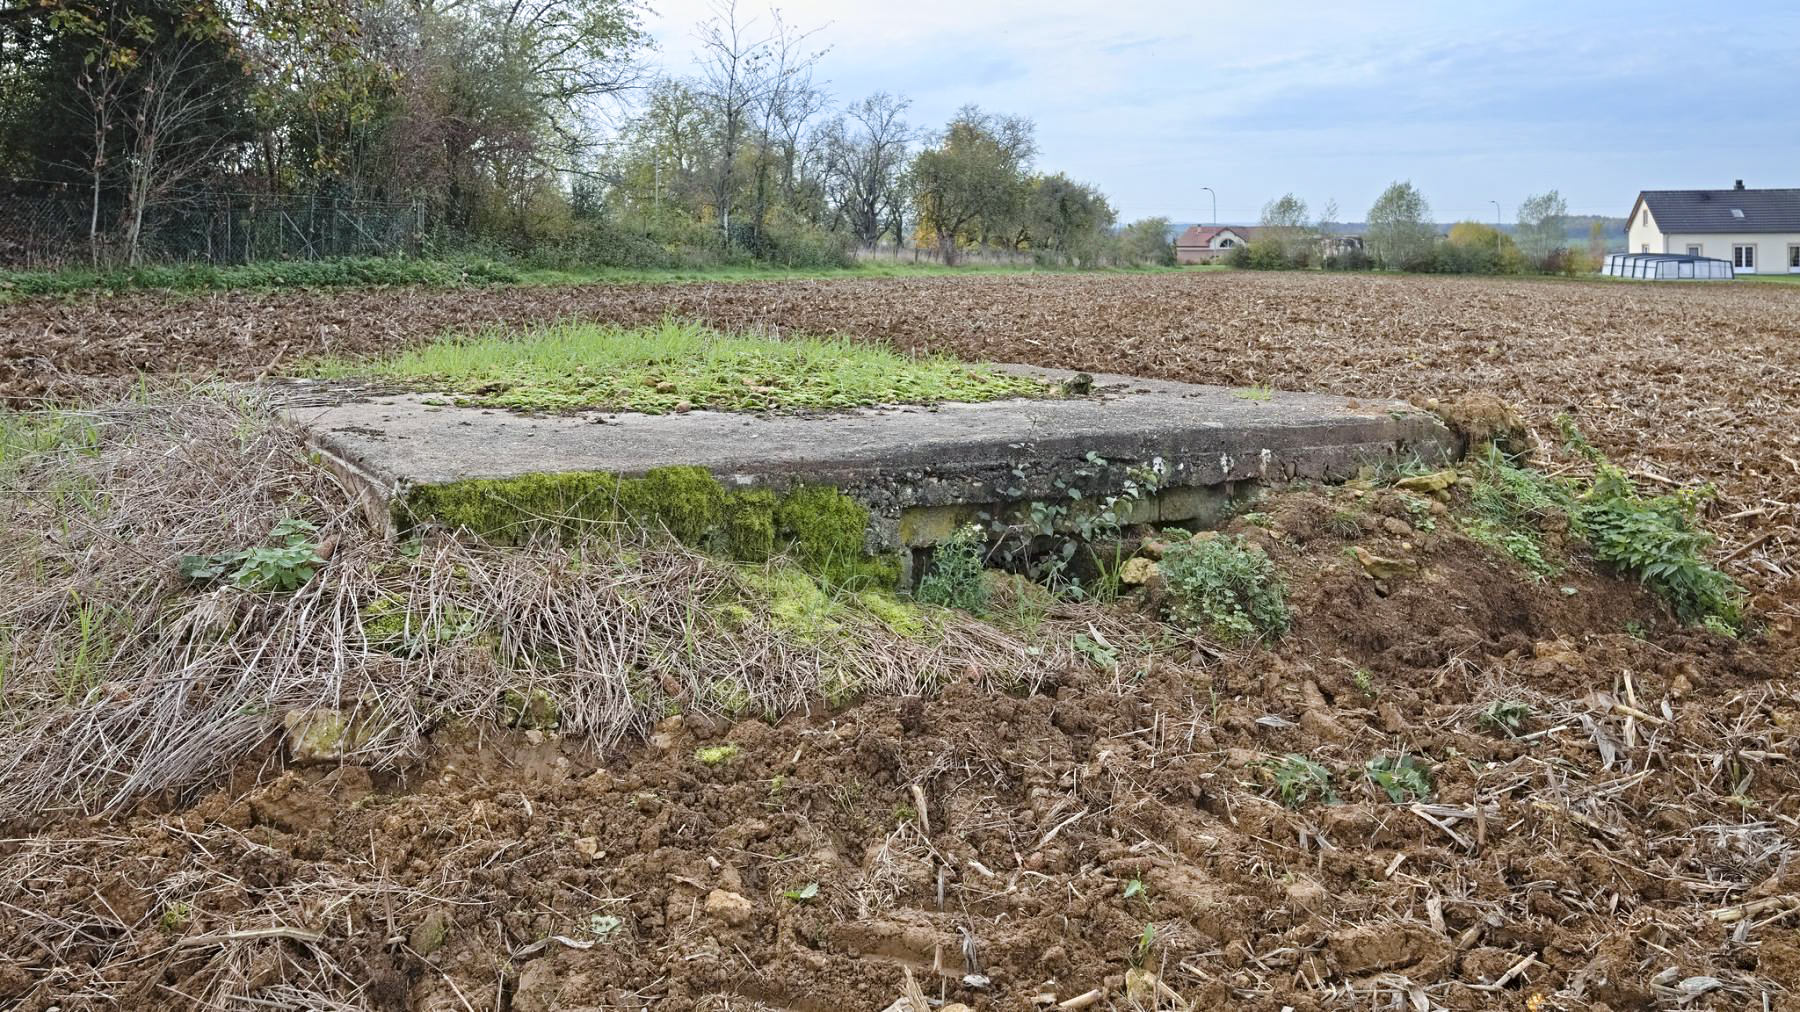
[(1644, 219), (1694, 249), (1645, 248), (1226, 244), (1743, 256), (1794, 259)]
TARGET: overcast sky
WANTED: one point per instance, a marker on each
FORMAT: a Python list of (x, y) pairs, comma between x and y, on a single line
[(1473, 102)]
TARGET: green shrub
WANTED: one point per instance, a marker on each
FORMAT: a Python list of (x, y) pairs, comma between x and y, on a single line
[(1349, 260), (1658, 541), (1224, 586), (1270, 255), (954, 579)]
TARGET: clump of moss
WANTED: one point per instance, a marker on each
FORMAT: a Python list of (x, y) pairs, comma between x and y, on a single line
[(731, 697), (530, 709), (797, 604), (388, 625), (826, 529), (899, 616), (748, 522), (716, 755), (819, 526)]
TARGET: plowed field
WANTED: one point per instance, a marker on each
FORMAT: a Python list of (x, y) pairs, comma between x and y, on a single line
[(1682, 382), (1110, 834)]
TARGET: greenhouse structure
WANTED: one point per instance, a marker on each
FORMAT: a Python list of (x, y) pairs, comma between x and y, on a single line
[(1666, 267)]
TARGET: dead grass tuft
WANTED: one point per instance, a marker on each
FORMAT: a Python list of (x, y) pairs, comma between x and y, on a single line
[(122, 679)]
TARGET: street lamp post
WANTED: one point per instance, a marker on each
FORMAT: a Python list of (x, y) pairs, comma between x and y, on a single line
[(1496, 204), (1215, 204)]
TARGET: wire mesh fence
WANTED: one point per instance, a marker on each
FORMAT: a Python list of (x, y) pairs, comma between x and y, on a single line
[(51, 227)]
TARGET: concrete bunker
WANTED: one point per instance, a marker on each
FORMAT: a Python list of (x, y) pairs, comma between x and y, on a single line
[(909, 477)]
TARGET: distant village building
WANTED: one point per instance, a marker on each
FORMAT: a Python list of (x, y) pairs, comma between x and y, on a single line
[(1203, 244), (1338, 245), (1758, 231)]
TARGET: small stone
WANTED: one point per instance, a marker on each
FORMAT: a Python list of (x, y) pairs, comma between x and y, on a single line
[(1140, 986), (1397, 527), (430, 934), (1153, 548), (1138, 571), (1380, 568), (729, 907), (534, 737), (529, 708), (1427, 483), (589, 847), (322, 735), (1307, 894)]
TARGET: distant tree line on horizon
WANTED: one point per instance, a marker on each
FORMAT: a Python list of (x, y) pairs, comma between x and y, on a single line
[(1399, 234), (527, 127)]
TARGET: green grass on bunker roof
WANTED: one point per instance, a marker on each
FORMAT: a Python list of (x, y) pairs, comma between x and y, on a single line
[(676, 366)]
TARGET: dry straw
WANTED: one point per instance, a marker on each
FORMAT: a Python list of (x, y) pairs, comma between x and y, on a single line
[(121, 679)]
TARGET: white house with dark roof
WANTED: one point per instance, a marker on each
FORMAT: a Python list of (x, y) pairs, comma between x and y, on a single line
[(1757, 230)]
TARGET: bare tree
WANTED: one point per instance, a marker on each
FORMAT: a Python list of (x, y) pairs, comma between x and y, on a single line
[(115, 44), (732, 75), (866, 158), (174, 133), (786, 98)]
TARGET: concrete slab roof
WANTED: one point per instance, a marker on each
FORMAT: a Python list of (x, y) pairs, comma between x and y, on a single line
[(892, 458)]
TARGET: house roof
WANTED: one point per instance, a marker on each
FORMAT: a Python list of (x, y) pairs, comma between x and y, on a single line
[(1203, 235), (1679, 211)]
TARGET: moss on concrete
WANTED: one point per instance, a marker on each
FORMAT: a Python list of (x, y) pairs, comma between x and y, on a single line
[(821, 527)]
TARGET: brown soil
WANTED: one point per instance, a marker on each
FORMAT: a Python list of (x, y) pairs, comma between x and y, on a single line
[(1689, 383), (527, 873), (1636, 848)]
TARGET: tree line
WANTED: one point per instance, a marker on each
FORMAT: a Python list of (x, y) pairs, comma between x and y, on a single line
[(1401, 235), (531, 126)]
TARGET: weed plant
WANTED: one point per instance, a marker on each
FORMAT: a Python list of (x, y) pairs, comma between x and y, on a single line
[(1297, 780), (1402, 778), (954, 579), (1656, 539), (1225, 587)]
